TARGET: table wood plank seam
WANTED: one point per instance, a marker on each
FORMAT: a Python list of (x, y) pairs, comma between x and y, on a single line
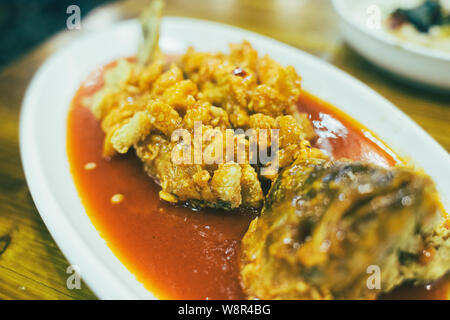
[(37, 282)]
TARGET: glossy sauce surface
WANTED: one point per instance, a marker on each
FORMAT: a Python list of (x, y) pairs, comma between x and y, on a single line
[(175, 252)]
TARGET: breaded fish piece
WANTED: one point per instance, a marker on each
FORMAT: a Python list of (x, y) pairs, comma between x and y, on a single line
[(325, 224), (143, 106)]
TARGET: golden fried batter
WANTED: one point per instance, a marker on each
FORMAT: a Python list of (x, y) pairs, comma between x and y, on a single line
[(213, 94)]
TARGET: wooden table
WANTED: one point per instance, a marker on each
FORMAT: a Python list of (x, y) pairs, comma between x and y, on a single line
[(31, 265)]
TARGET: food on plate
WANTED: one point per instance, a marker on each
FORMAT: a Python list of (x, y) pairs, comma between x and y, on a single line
[(150, 24), (206, 96), (235, 132), (324, 223), (426, 23)]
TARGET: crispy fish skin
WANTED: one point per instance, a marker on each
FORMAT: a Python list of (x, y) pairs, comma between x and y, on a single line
[(324, 223)]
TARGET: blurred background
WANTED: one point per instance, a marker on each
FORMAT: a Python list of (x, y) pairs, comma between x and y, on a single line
[(26, 23)]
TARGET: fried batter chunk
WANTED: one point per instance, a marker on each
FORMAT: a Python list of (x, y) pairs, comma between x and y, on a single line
[(181, 116)]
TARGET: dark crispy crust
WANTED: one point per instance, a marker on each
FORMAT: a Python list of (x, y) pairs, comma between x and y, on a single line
[(324, 223)]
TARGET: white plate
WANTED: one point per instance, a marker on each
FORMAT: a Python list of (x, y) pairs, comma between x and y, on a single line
[(420, 64), (46, 104)]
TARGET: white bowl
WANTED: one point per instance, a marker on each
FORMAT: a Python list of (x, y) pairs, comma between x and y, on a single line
[(44, 117), (422, 65)]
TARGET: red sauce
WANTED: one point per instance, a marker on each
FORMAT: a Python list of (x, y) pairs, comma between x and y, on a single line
[(343, 137), (175, 252)]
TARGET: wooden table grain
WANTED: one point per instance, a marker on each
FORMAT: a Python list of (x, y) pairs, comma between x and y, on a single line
[(31, 265)]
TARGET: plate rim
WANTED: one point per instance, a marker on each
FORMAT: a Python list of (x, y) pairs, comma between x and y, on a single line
[(46, 204)]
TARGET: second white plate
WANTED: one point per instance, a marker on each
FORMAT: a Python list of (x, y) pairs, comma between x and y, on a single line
[(422, 65)]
